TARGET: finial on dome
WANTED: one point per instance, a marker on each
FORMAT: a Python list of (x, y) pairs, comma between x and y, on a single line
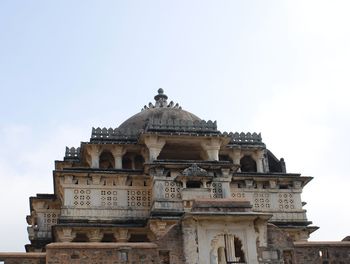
[(161, 98)]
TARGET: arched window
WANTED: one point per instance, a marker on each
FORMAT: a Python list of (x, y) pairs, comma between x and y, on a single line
[(106, 160), (248, 164)]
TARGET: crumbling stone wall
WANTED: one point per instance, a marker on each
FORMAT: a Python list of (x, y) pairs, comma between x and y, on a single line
[(24, 261), (23, 258), (101, 253), (172, 244), (280, 247), (322, 253)]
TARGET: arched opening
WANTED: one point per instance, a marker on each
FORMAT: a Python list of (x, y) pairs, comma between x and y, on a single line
[(106, 160), (180, 151), (132, 161), (138, 238), (81, 237), (248, 164), (227, 248), (193, 184), (139, 161), (238, 250), (225, 158), (127, 163), (108, 238)]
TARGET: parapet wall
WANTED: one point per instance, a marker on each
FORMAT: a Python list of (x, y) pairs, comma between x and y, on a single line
[(322, 252), (23, 258), (102, 253)]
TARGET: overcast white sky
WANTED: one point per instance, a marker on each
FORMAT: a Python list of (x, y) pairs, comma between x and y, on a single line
[(276, 67)]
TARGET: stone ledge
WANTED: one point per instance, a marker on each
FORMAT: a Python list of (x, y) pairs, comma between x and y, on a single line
[(9, 255), (100, 245), (220, 202), (323, 244)]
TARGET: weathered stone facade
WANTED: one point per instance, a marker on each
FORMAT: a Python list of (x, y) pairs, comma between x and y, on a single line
[(167, 187), (322, 252)]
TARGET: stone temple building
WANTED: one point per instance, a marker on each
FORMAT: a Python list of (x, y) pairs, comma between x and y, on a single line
[(168, 187)]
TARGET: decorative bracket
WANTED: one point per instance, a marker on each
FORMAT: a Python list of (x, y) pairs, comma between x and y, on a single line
[(160, 227)]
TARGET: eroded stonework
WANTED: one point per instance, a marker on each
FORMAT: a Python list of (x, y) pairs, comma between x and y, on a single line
[(167, 187)]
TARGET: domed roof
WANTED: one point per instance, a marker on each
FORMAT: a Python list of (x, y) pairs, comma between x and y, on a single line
[(160, 111)]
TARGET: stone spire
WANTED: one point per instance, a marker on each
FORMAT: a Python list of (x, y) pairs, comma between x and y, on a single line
[(161, 101), (161, 98)]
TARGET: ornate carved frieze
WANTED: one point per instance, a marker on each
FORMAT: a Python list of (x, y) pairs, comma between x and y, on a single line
[(194, 170)]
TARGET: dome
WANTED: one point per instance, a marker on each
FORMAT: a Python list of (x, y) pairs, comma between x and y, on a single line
[(160, 111)]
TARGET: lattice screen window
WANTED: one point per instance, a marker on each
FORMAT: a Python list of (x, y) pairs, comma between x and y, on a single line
[(139, 198), (286, 201), (238, 196), (82, 198), (172, 190), (50, 219), (261, 201), (109, 198), (216, 189)]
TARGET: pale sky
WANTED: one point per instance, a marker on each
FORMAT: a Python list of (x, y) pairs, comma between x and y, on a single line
[(281, 68)]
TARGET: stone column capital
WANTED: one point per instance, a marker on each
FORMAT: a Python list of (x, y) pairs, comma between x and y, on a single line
[(154, 145), (161, 228), (95, 235), (94, 149), (122, 235), (118, 151), (212, 147), (65, 235)]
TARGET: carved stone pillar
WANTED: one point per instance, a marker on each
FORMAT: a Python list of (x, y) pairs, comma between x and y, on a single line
[(259, 157), (158, 189), (230, 247), (154, 145), (190, 244), (225, 182), (260, 226), (212, 148), (95, 235), (145, 154), (95, 152), (118, 152), (235, 155), (226, 191)]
